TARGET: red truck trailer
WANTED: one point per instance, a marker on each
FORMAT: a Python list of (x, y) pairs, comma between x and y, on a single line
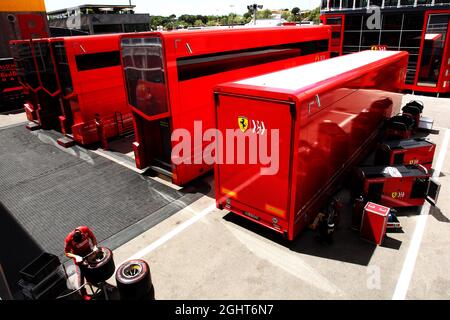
[(170, 78), (27, 76), (75, 85), (315, 121), (92, 87), (19, 19), (48, 97)]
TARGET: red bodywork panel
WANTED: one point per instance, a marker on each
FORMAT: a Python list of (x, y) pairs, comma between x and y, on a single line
[(406, 152), (328, 115), (193, 63)]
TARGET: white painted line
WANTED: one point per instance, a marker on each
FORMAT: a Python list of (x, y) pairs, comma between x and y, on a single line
[(132, 167), (442, 154), (404, 280), (122, 163), (171, 234)]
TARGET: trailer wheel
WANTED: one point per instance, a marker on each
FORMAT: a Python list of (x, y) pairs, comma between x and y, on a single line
[(134, 281), (99, 267)]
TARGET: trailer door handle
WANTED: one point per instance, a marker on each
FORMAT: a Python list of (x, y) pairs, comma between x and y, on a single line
[(318, 101)]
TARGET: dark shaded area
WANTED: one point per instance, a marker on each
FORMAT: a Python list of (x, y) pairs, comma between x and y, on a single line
[(65, 32), (17, 250), (438, 215), (346, 247), (50, 191), (209, 64)]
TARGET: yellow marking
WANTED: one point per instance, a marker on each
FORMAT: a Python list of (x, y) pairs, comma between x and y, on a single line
[(22, 6), (229, 193), (276, 211), (243, 123)]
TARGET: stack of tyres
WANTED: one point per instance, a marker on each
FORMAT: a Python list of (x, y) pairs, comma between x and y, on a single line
[(99, 266), (134, 281)]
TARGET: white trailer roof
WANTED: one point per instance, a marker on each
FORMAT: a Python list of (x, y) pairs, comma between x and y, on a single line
[(303, 76)]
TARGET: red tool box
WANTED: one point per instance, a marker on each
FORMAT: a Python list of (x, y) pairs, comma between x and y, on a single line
[(395, 187), (374, 223), (406, 152), (170, 78), (319, 121)]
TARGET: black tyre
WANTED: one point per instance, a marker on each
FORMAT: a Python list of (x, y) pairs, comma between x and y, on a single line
[(134, 281), (99, 267)]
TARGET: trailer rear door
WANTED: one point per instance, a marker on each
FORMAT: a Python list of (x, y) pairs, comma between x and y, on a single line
[(144, 67), (262, 184)]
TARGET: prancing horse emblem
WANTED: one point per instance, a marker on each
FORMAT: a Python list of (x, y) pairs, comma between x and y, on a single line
[(243, 123)]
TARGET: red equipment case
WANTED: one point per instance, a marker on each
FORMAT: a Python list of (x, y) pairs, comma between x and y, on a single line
[(374, 223), (328, 115), (49, 104), (406, 152), (396, 187), (170, 78)]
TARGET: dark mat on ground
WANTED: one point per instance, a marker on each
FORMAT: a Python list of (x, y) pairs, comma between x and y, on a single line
[(50, 191)]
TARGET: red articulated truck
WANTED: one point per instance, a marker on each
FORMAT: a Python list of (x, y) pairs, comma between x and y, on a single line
[(291, 137), (170, 78), (80, 88)]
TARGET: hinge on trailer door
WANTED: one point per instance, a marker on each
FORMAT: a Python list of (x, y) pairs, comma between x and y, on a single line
[(216, 99), (293, 109)]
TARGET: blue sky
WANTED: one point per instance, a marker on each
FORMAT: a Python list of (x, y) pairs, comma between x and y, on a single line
[(178, 7)]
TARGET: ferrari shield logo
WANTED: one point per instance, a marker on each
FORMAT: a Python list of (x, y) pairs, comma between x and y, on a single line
[(243, 123)]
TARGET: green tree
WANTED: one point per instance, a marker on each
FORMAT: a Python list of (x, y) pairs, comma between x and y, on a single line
[(248, 16), (170, 26), (265, 14), (314, 15), (198, 23), (286, 14)]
